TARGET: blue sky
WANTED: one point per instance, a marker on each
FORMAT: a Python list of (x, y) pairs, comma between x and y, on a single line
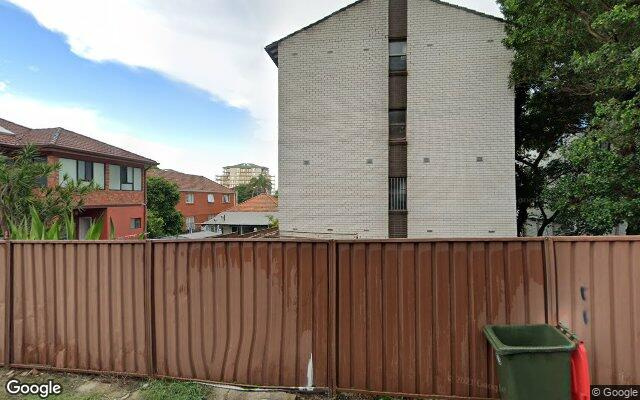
[(186, 84)]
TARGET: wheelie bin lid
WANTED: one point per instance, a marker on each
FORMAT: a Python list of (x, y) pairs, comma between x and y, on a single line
[(515, 339)]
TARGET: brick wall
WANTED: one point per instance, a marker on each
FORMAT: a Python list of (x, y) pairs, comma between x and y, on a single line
[(201, 209), (333, 112), (460, 107)]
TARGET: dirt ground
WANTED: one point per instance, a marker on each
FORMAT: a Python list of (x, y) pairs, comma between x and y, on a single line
[(94, 387)]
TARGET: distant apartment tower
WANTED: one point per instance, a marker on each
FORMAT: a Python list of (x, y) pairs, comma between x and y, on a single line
[(396, 119), (241, 174)]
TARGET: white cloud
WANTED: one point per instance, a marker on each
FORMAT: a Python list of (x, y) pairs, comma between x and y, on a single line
[(202, 160), (213, 45), (3, 86)]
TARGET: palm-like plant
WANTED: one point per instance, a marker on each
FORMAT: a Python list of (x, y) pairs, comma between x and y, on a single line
[(28, 207), (60, 228)]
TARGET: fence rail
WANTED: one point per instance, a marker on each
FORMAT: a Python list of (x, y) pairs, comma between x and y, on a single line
[(379, 316)]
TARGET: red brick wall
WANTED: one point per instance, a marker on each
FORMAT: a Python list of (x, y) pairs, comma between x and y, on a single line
[(121, 217), (201, 209)]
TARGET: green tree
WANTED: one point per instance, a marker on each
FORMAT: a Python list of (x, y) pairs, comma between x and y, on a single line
[(577, 77), (243, 192), (257, 185), (260, 184), (162, 216), (22, 192)]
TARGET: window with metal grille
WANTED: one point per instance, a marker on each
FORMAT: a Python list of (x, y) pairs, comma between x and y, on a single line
[(398, 194)]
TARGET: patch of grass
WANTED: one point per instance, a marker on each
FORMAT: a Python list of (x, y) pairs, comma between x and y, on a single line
[(174, 390)]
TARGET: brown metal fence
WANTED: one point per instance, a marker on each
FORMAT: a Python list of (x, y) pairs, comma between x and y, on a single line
[(5, 301), (242, 312), (391, 316), (410, 315), (79, 306), (598, 283)]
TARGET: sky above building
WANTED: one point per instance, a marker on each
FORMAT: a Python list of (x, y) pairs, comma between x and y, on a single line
[(186, 83)]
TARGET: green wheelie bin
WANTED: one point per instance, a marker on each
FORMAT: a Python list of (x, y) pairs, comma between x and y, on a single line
[(533, 361)]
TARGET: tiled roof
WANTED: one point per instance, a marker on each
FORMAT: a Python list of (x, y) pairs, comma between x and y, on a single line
[(188, 182), (260, 203), (60, 138)]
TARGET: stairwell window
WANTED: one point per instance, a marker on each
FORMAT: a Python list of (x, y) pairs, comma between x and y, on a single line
[(210, 198), (225, 198), (190, 198), (397, 124), (398, 55)]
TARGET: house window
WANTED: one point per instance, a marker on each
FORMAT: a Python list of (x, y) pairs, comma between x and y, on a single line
[(398, 56), (190, 222), (41, 181), (81, 171), (397, 124), (136, 223), (122, 177), (190, 198), (397, 194), (126, 178), (85, 171), (210, 198), (225, 198)]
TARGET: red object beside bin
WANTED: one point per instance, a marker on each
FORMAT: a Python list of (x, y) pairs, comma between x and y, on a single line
[(580, 381)]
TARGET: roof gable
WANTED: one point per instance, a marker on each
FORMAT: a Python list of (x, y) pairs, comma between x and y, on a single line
[(272, 49)]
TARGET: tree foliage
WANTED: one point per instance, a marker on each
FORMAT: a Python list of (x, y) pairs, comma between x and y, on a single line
[(577, 77), (23, 196), (257, 185), (162, 217)]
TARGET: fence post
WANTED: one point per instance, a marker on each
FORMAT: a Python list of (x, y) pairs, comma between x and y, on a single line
[(550, 273), (148, 307), (8, 305), (333, 316)]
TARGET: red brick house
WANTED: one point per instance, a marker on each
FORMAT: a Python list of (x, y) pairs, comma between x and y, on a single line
[(119, 175), (200, 198)]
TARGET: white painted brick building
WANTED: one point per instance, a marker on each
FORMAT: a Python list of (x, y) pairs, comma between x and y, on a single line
[(334, 107)]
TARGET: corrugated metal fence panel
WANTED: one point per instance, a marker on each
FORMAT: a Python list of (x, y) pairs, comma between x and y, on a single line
[(410, 314), (248, 312), (79, 306), (4, 299), (599, 298)]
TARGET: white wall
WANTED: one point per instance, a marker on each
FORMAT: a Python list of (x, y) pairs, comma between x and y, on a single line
[(459, 107), (333, 112)]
